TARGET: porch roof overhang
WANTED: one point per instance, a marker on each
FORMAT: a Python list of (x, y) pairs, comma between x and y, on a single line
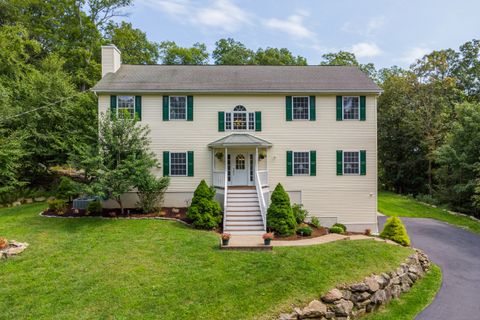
[(239, 140)]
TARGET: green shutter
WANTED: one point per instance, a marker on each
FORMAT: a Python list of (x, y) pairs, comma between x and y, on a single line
[(190, 163), (313, 163), (258, 121), (289, 163), (189, 108), (339, 162), (339, 108), (363, 112), (166, 116), (138, 108), (363, 162), (221, 121), (166, 163), (113, 106), (288, 104), (313, 114)]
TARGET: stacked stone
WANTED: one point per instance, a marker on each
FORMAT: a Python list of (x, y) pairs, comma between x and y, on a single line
[(355, 300)]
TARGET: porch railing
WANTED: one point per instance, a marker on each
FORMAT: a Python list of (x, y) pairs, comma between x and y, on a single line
[(263, 177), (219, 179), (261, 198)]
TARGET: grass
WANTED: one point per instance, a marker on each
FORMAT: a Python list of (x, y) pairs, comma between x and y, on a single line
[(412, 302), (95, 268), (392, 204)]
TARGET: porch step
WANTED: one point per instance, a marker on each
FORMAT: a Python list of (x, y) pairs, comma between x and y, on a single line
[(247, 233), (244, 218), (243, 213), (241, 191), (244, 228), (244, 224), (243, 205), (243, 199)]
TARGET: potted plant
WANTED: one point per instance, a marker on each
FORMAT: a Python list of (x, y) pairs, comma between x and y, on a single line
[(225, 238), (219, 155), (267, 237), (262, 155)]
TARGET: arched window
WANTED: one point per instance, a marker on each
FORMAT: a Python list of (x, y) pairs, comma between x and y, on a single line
[(239, 119), (240, 162)]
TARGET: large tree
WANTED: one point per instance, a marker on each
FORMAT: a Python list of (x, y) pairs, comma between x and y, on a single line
[(344, 58), (229, 51), (171, 53), (278, 57)]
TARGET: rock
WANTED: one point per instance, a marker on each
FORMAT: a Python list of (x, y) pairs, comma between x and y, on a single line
[(363, 304), (288, 316), (16, 204), (372, 284), (405, 287), (39, 199), (359, 287), (412, 276), (395, 280), (332, 295), (386, 276), (50, 198), (315, 309), (329, 314), (175, 210), (382, 281), (396, 290), (343, 307), (29, 200), (413, 269), (357, 297), (358, 313), (347, 294), (369, 308), (379, 297), (405, 279)]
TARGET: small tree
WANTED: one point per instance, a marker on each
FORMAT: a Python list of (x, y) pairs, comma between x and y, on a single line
[(68, 188), (151, 191), (204, 211), (395, 231), (280, 216)]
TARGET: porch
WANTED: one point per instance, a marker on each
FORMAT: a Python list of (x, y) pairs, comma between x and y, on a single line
[(240, 175)]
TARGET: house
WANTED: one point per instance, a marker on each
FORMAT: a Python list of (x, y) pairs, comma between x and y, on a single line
[(244, 129)]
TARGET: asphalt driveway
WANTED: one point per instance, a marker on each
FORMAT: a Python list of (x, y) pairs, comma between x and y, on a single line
[(457, 252)]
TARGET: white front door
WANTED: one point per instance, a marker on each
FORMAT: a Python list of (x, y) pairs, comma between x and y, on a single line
[(239, 167)]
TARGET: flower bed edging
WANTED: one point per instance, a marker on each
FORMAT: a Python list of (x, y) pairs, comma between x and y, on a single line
[(355, 300)]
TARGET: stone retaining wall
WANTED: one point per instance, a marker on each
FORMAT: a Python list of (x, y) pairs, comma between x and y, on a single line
[(354, 300)]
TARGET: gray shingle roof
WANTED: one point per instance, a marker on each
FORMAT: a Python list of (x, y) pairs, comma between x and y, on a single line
[(213, 78), (239, 140)]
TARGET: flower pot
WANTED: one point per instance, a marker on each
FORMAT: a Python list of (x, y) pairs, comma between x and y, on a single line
[(225, 242), (266, 241)]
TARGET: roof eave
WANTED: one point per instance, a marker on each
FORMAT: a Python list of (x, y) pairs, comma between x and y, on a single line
[(372, 91)]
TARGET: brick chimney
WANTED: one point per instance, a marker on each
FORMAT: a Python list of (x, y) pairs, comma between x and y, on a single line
[(111, 59)]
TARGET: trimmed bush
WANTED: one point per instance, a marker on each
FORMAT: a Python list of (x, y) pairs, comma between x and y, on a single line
[(340, 225), (335, 229), (151, 191), (304, 231), (395, 230), (58, 206), (299, 212), (280, 218), (315, 222), (94, 207), (204, 211)]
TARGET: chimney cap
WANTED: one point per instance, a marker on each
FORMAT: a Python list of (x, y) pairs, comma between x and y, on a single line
[(112, 46)]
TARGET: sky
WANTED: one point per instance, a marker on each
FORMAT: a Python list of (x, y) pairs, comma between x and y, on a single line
[(384, 32)]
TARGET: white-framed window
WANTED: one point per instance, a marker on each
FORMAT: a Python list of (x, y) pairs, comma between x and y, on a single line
[(177, 107), (178, 164), (239, 119), (301, 163), (351, 162), (351, 108), (300, 108), (126, 103)]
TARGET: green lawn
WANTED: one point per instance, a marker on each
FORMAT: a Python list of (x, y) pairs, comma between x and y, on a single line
[(412, 302), (392, 204), (94, 268)]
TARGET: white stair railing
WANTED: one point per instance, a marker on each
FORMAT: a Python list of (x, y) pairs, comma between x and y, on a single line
[(225, 196), (261, 199)]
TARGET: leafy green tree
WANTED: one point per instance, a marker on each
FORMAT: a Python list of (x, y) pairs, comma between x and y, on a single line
[(231, 52), (171, 53), (204, 211), (278, 57), (280, 216), (344, 58), (133, 43), (68, 188), (151, 191), (12, 155), (123, 157), (459, 160)]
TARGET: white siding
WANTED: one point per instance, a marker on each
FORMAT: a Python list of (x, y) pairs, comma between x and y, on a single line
[(349, 199)]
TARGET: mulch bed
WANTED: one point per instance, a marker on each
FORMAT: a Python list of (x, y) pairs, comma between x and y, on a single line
[(316, 232), (166, 212)]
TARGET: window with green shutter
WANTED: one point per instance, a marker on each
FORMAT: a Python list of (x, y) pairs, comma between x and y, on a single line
[(339, 162), (258, 121), (289, 163), (190, 163), (138, 107), (313, 163), (288, 107), (313, 113), (363, 107), (339, 108), (166, 163), (113, 106), (189, 108), (363, 162), (165, 108), (221, 121)]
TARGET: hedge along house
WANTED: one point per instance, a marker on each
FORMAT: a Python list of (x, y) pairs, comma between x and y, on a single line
[(246, 128)]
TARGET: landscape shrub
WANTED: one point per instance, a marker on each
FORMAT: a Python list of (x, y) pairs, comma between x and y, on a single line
[(151, 191), (3, 243), (428, 198), (204, 211), (304, 231), (280, 218), (68, 188), (94, 207), (340, 225), (58, 206), (335, 229), (315, 222), (299, 212), (395, 230)]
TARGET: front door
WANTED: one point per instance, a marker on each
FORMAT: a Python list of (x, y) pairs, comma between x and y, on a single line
[(239, 165)]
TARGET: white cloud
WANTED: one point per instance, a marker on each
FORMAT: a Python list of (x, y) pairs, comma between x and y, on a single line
[(366, 50), (293, 25), (221, 14), (413, 54), (367, 30)]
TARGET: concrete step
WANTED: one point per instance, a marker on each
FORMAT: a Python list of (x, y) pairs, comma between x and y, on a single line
[(241, 191), (243, 213), (243, 228), (249, 199), (243, 223), (244, 218), (247, 233), (242, 204)]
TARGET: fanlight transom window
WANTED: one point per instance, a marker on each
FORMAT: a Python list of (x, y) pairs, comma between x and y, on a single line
[(240, 162), (239, 119)]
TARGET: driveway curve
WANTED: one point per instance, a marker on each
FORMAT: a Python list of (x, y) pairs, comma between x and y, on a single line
[(457, 252)]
